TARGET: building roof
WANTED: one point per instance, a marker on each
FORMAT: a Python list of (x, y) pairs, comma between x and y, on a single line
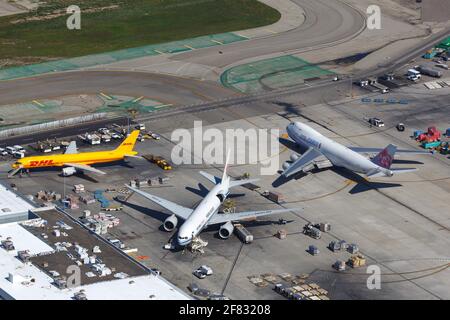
[(31, 283), (11, 204)]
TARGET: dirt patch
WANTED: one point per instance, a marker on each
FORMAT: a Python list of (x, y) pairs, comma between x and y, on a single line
[(20, 61)]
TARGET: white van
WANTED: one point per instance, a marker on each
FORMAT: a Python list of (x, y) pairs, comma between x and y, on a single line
[(18, 155), (10, 150)]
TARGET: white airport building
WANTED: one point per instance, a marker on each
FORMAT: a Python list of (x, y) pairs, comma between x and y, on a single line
[(27, 280)]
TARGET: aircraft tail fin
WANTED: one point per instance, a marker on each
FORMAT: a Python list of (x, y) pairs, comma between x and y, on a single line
[(385, 157), (127, 145), (225, 177)]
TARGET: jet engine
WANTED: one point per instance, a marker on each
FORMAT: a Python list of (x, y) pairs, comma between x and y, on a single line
[(68, 171), (294, 157), (286, 165), (226, 230), (170, 223)]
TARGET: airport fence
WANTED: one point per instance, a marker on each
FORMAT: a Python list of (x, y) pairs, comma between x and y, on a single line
[(52, 125)]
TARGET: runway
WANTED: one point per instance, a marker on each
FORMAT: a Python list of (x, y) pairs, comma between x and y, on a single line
[(326, 22)]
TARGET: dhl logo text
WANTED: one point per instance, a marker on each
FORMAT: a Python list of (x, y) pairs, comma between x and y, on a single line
[(36, 163)]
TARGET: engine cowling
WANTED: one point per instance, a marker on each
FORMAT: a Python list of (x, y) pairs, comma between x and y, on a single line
[(68, 171), (294, 157), (286, 165), (170, 223), (226, 230)]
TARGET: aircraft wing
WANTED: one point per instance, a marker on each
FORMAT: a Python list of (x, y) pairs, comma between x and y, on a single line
[(179, 211), (84, 167), (377, 150), (309, 156), (226, 217)]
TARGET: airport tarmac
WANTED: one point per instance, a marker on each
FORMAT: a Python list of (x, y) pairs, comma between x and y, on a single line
[(401, 224)]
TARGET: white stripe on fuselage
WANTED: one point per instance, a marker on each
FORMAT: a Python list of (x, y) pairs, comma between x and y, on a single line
[(339, 155)]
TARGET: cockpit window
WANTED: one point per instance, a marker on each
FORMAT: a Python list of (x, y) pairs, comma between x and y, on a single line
[(17, 163), (184, 238)]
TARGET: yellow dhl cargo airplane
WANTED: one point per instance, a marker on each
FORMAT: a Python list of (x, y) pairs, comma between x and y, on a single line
[(72, 160)]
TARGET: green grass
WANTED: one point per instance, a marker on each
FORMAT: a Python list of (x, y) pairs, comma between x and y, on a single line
[(135, 23)]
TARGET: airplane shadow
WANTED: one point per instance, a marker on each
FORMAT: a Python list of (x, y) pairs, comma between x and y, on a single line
[(202, 191), (147, 211), (291, 145), (406, 161), (289, 108), (362, 185), (282, 179)]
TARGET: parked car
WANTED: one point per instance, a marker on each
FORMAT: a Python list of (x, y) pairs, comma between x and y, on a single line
[(377, 122)]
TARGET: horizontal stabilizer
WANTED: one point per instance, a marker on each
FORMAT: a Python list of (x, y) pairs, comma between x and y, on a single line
[(132, 156), (388, 172), (377, 150), (237, 183), (210, 177), (237, 216), (403, 170)]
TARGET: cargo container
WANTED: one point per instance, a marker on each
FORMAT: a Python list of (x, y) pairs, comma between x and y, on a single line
[(275, 197), (430, 145), (432, 72), (243, 234), (380, 87)]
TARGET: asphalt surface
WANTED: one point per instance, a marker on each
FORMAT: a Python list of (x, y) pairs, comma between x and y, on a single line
[(189, 95), (326, 23)]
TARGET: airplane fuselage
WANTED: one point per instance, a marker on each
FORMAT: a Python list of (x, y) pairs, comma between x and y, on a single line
[(338, 154), (58, 160), (201, 215)]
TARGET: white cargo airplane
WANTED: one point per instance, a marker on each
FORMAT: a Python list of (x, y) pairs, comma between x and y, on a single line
[(339, 155), (206, 213)]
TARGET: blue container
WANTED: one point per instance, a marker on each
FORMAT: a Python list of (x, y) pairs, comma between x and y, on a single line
[(447, 132), (417, 133)]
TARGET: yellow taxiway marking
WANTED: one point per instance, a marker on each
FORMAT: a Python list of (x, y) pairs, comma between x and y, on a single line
[(38, 103), (218, 42), (106, 96), (189, 47), (163, 105), (271, 31), (138, 99), (240, 35)]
